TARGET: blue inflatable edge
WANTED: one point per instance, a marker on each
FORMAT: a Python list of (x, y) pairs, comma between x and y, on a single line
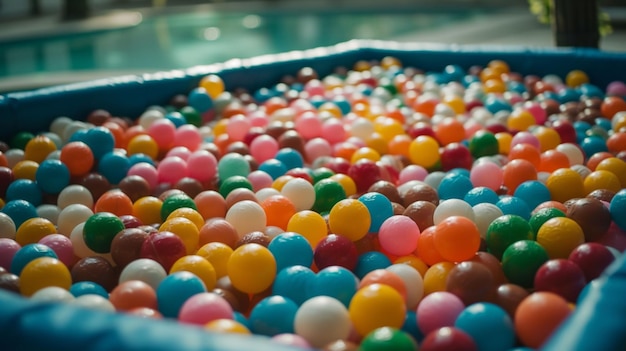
[(597, 323)]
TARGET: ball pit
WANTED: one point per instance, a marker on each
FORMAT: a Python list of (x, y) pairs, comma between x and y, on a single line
[(335, 208)]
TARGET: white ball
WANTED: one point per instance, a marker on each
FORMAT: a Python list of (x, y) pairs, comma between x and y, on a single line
[(75, 194), (246, 216), (322, 320), (7, 226), (582, 170), (78, 242), (273, 231), (59, 124), (452, 207), (264, 193), (14, 156), (71, 216), (52, 294), (72, 128), (573, 153), (300, 192), (362, 128), (484, 214), (148, 117), (413, 282), (49, 212), (54, 155), (144, 269), (434, 179), (95, 302)]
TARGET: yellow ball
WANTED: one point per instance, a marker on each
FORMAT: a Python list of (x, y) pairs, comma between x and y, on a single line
[(375, 306), (504, 142), (560, 236), (227, 326), (341, 219), (190, 214), (576, 78), (601, 180), (185, 229), (615, 166), (251, 268), (435, 277), (217, 254), (25, 169), (565, 184), (520, 120), (44, 272), (213, 84), (38, 148), (365, 153), (143, 144), (424, 151), (548, 138), (148, 210), (388, 128), (33, 230), (280, 182), (199, 266), (310, 225), (349, 186)]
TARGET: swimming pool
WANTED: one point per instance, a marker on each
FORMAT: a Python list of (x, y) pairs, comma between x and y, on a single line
[(173, 39)]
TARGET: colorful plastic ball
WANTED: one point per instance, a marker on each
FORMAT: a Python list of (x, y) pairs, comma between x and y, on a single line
[(172, 169), (273, 315), (615, 166), (19, 211), (213, 85), (483, 143), (379, 207), (336, 282), (342, 215), (203, 308), (61, 245), (424, 151), (486, 174), (518, 171), (452, 207), (533, 193), (488, 325), (471, 281), (538, 316), (202, 165), (145, 270), (29, 253), (617, 208), (175, 290), (100, 229), (251, 268), (559, 236), (300, 192), (310, 225), (565, 184), (174, 202), (115, 202), (44, 272), (200, 100), (601, 180), (52, 294), (278, 211), (386, 338), (327, 193), (24, 189), (506, 230), (88, 288), (562, 277), (437, 310), (163, 247), (484, 215), (52, 176), (448, 338), (521, 260), (454, 186), (322, 320), (133, 294), (375, 306), (456, 238), (293, 283), (247, 216), (539, 217), (199, 266), (398, 235), (515, 206), (100, 140), (592, 259), (290, 249), (369, 261), (228, 326), (413, 282), (75, 194), (8, 249)]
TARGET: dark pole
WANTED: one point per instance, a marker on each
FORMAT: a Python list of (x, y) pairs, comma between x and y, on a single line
[(575, 23), (75, 9)]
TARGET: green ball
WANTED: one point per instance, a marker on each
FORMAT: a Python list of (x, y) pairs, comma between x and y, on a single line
[(388, 339), (232, 164), (321, 173), (504, 231), (191, 116), (20, 140), (542, 216), (484, 143), (327, 193), (100, 229), (521, 261), (232, 183), (174, 202)]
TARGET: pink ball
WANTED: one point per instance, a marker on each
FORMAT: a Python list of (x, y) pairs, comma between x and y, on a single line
[(163, 131), (316, 148), (263, 148), (437, 310), (314, 88), (537, 111), (145, 171), (356, 141), (525, 138), (260, 180), (188, 136), (300, 105), (258, 119), (412, 172), (309, 126), (171, 170), (471, 127), (398, 235), (333, 131), (62, 246), (8, 248), (202, 165), (237, 127), (487, 174), (179, 151), (291, 340), (616, 88), (515, 98), (203, 308)]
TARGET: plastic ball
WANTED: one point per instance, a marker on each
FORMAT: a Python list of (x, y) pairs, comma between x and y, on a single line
[(386, 338), (88, 288), (133, 294), (521, 261), (300, 192), (114, 202), (290, 249), (145, 270), (370, 261), (413, 282), (506, 230), (322, 320), (203, 308), (100, 229), (100, 140), (246, 216), (28, 253), (310, 225), (228, 326), (175, 290), (19, 211), (75, 194), (336, 282), (426, 250), (52, 294), (174, 202), (251, 268), (592, 259), (515, 206), (293, 283), (44, 272), (273, 315), (452, 207), (341, 219), (456, 238), (375, 306), (424, 151), (448, 338), (398, 235), (484, 215), (199, 266), (533, 193), (33, 230), (437, 310), (24, 189), (562, 277), (615, 166), (538, 316), (488, 325), (164, 247), (8, 249), (565, 184), (559, 236), (487, 174), (471, 281), (62, 246), (379, 207), (454, 186)]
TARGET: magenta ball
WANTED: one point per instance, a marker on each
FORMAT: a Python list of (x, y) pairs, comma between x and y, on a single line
[(537, 111), (260, 180), (188, 136), (8, 248), (616, 88), (202, 165), (145, 171), (172, 169), (398, 235), (263, 148), (487, 174), (291, 340), (437, 310), (448, 338), (203, 308), (62, 246), (412, 172), (163, 131)]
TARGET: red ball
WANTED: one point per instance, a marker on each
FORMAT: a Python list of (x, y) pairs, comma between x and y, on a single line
[(364, 173), (592, 258), (421, 128), (562, 277), (163, 247), (448, 338), (335, 250), (566, 131), (456, 155), (338, 165)]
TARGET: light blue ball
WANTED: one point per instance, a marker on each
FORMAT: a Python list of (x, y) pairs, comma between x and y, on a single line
[(273, 167), (533, 192), (379, 207), (29, 253), (88, 288), (617, 209), (454, 186), (52, 176), (293, 283), (100, 140), (489, 326), (291, 249), (114, 166), (291, 158), (200, 100), (370, 261), (175, 289), (273, 315), (336, 282), (24, 189), (511, 205), (481, 195), (20, 211)]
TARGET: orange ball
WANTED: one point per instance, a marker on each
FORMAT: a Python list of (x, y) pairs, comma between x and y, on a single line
[(596, 158), (133, 294), (450, 130), (612, 105), (383, 276), (538, 316), (526, 152), (426, 250), (78, 158), (345, 150), (551, 204), (210, 204), (494, 86), (148, 210), (616, 142), (414, 262), (278, 210), (116, 202), (516, 172), (457, 238), (399, 145), (548, 138), (425, 106), (218, 230), (552, 160)]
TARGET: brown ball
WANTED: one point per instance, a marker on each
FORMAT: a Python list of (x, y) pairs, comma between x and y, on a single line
[(96, 184), (493, 264), (255, 237), (126, 246), (10, 282), (471, 281), (189, 186), (591, 215), (420, 192), (602, 195), (95, 269), (386, 188), (509, 296), (135, 187), (239, 194), (421, 212)]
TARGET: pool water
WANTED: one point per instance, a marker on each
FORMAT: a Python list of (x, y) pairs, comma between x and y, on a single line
[(180, 40)]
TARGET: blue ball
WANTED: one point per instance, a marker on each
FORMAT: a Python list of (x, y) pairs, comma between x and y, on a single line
[(177, 118), (481, 195), (138, 158), (581, 126), (454, 72), (293, 283), (291, 249), (100, 140), (568, 95), (273, 315), (263, 94), (200, 100), (604, 123), (511, 205), (460, 171), (114, 166), (489, 326), (88, 288), (469, 79), (336, 282), (370, 261), (343, 104), (410, 326), (175, 289), (79, 135), (20, 211), (454, 186), (496, 104), (24, 189), (317, 101), (241, 319), (590, 90), (533, 192), (52, 176), (592, 145), (517, 87), (618, 209), (27, 254), (273, 167), (379, 207), (291, 158)]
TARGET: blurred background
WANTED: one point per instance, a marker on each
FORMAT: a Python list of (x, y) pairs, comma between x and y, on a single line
[(49, 42)]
